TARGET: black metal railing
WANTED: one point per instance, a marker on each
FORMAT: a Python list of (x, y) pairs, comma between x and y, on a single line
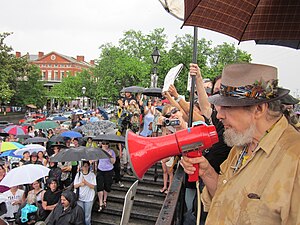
[(171, 212)]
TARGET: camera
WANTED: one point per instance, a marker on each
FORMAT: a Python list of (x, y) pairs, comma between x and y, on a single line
[(171, 122)]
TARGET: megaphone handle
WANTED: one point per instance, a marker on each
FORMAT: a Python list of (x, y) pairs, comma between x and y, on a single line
[(195, 176)]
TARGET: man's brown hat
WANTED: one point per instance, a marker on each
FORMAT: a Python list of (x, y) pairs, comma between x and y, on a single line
[(246, 84)]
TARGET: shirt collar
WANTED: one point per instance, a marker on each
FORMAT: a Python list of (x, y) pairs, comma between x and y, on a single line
[(271, 138)]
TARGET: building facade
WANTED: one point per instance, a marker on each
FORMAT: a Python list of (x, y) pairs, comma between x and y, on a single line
[(54, 66)]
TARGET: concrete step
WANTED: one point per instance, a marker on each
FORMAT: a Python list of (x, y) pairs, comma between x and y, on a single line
[(147, 202), (107, 219)]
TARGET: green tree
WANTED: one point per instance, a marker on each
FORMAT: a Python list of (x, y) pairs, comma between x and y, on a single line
[(224, 54), (30, 90), (11, 69), (71, 86), (131, 63), (182, 52), (117, 69)]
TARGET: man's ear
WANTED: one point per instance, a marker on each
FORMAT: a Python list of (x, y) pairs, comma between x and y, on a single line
[(260, 110)]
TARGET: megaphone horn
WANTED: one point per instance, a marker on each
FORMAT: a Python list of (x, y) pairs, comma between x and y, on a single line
[(143, 152)]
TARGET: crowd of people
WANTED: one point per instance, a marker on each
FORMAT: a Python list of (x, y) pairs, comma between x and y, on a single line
[(253, 166), (51, 199)]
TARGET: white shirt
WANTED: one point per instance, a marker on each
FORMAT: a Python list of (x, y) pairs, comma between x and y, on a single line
[(86, 194), (9, 199)]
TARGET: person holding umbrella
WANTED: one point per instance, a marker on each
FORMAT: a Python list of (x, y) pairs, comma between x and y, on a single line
[(85, 182), (105, 175)]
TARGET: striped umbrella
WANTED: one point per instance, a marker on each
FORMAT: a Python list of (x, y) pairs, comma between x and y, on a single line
[(9, 153), (6, 146), (14, 129)]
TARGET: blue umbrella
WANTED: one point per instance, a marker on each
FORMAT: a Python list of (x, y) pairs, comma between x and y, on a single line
[(71, 134), (159, 108), (103, 113), (10, 153)]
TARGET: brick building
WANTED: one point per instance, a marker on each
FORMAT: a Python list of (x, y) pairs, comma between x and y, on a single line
[(55, 66)]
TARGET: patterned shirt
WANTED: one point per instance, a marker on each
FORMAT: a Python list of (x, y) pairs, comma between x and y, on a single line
[(266, 189)]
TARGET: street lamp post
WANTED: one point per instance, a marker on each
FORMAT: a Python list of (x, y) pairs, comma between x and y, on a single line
[(155, 58), (83, 89)]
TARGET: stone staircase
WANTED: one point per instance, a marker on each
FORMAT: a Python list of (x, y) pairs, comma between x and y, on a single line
[(147, 202)]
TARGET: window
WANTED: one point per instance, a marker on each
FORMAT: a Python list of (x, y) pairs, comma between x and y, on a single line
[(44, 73), (52, 57), (62, 74), (56, 75), (49, 75)]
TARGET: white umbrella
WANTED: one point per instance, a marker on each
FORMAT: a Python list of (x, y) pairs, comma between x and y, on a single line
[(30, 148), (174, 7), (25, 174)]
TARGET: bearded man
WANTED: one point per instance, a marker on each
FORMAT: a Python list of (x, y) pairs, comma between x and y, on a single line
[(259, 183)]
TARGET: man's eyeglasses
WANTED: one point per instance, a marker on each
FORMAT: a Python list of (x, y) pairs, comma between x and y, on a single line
[(105, 143), (173, 111)]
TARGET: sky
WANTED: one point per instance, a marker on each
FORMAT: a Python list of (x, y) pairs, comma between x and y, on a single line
[(80, 27)]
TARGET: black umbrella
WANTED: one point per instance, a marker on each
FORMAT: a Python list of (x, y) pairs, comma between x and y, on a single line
[(155, 92), (135, 89), (23, 136), (3, 133), (109, 138), (57, 138), (35, 140), (79, 154)]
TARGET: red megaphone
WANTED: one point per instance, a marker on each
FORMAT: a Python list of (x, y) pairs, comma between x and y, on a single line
[(145, 151)]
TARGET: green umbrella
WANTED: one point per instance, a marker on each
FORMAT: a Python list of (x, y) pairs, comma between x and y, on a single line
[(46, 125)]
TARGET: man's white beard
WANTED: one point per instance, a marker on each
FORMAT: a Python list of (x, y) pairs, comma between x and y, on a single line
[(235, 138)]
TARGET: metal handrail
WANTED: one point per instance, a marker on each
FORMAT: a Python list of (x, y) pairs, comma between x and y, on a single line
[(173, 206)]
